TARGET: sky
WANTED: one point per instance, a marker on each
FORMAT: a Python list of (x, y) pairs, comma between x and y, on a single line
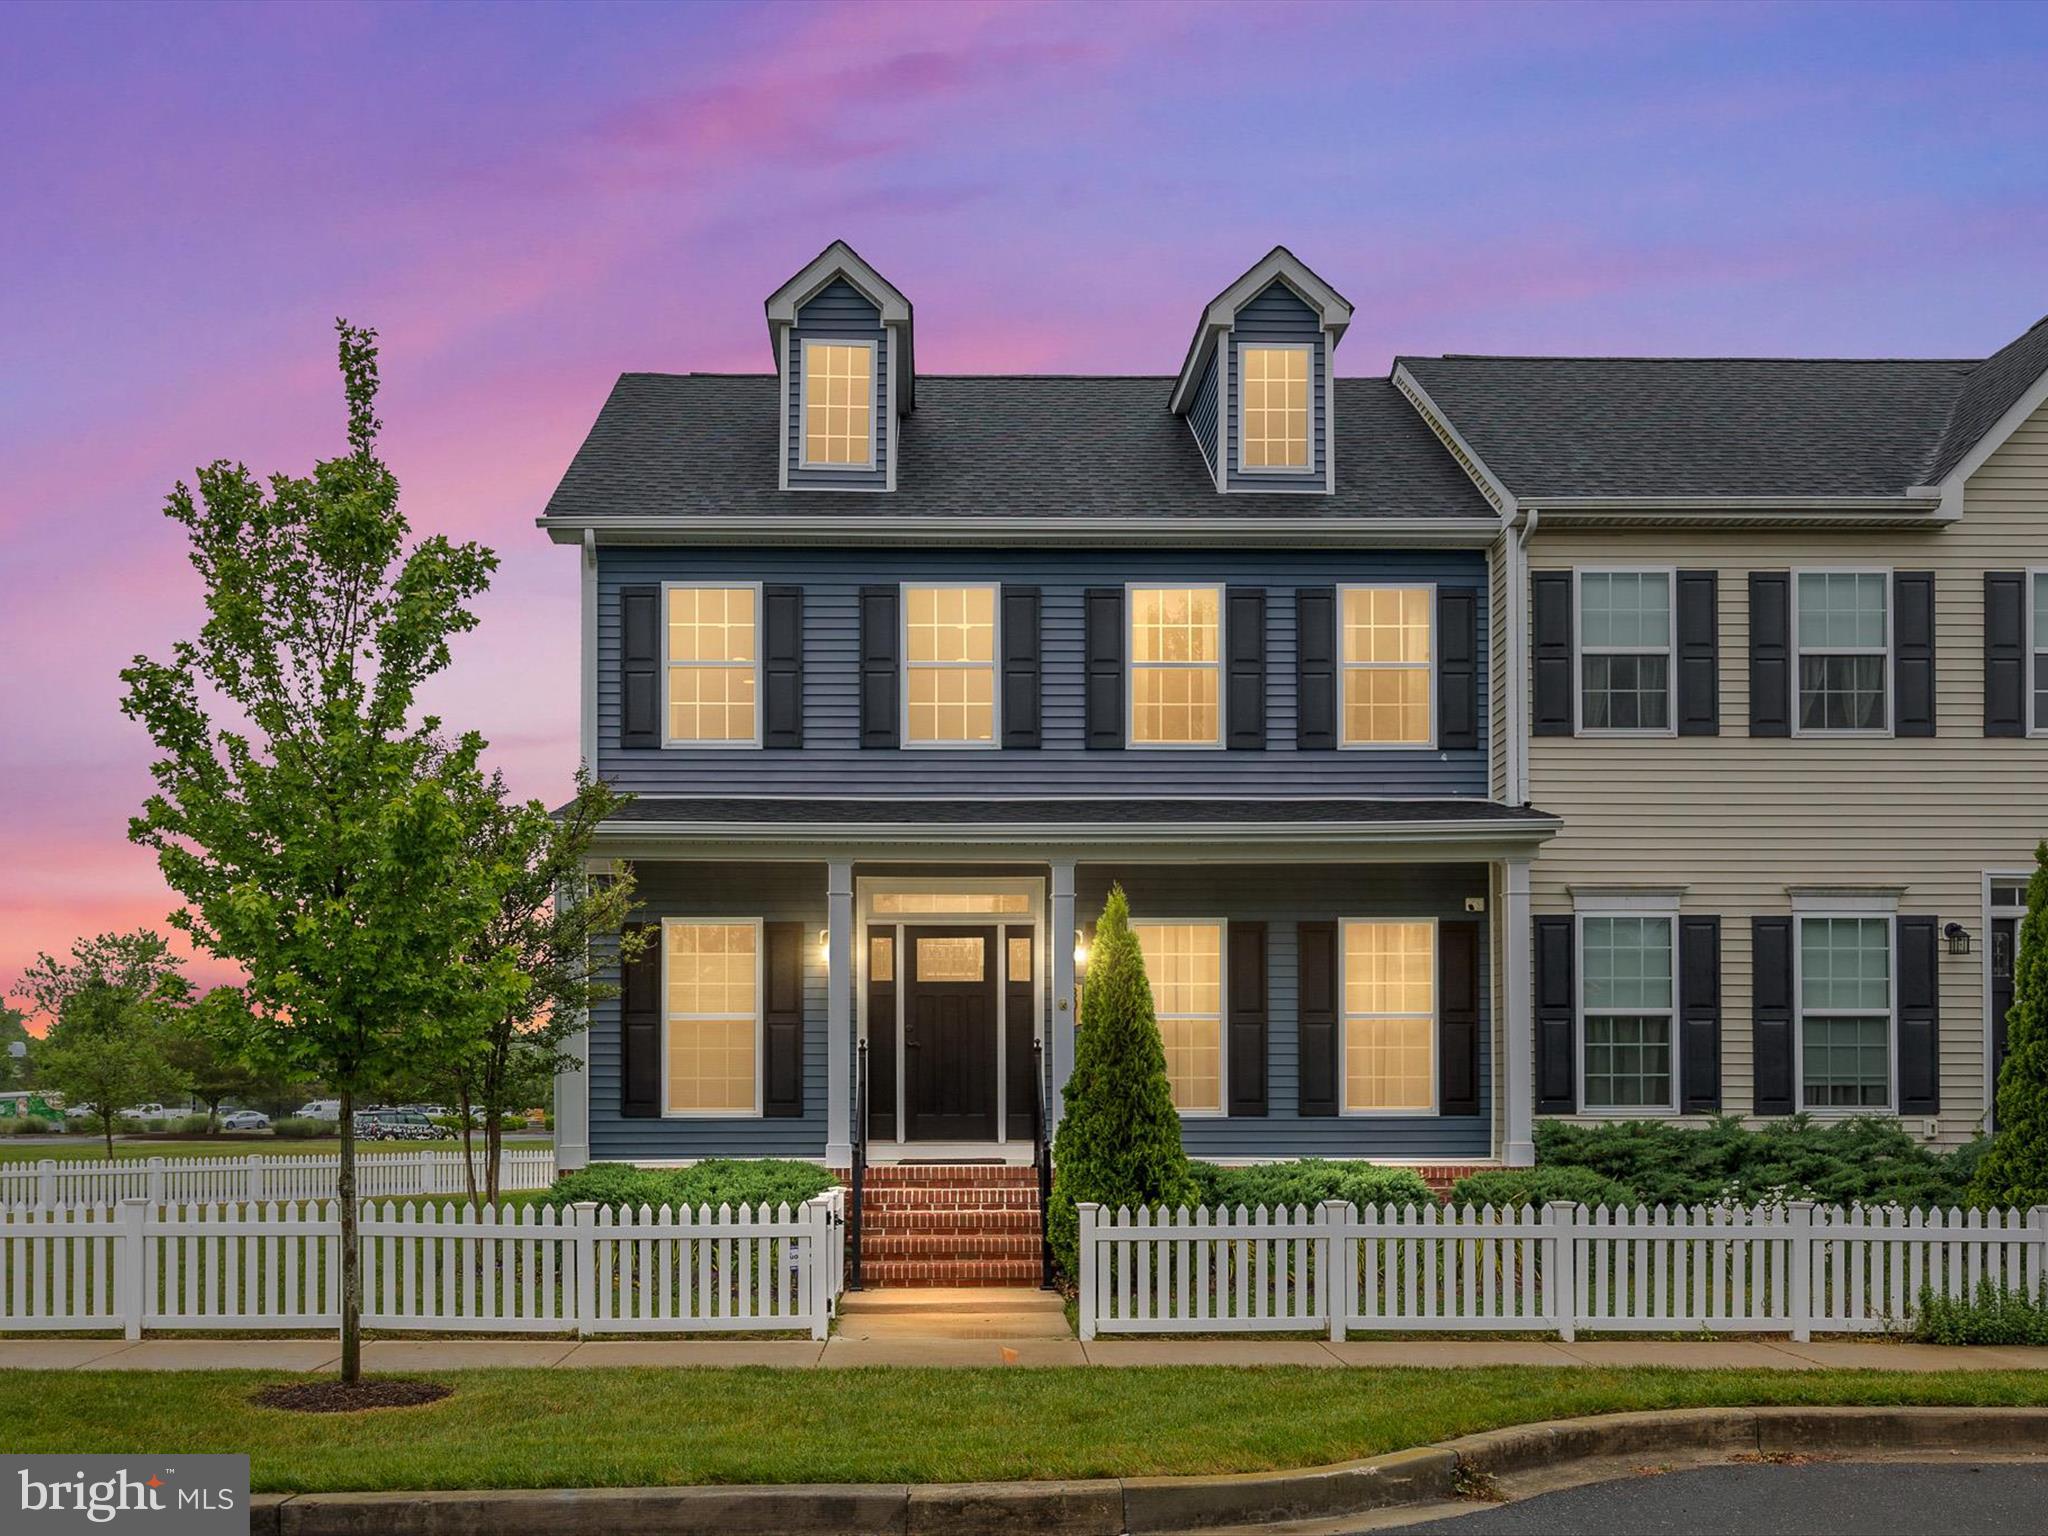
[(527, 200)]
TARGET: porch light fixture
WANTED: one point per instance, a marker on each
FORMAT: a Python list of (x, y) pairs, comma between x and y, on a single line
[(1958, 938), (825, 943), (1081, 951)]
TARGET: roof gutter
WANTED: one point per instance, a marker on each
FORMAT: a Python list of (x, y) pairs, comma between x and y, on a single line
[(1522, 830), (801, 528), (1708, 506)]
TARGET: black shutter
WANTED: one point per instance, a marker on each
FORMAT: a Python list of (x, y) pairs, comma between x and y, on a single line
[(639, 667), (1457, 983), (1699, 1020), (1550, 658), (879, 682), (2005, 653), (1247, 1018), (1556, 1009), (1770, 1013), (1021, 610), (1698, 688), (1315, 670), (640, 1028), (1103, 648), (1244, 639), (1457, 670), (1919, 1017), (782, 1019), (1913, 653), (782, 666), (1770, 654), (1316, 1018)]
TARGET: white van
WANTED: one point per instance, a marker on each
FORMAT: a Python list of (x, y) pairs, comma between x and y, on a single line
[(319, 1109)]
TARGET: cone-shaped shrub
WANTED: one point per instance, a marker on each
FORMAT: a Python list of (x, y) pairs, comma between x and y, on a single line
[(2015, 1169), (1119, 1136)]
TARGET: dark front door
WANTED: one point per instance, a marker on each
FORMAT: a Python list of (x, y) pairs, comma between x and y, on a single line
[(949, 1033), (2004, 945)]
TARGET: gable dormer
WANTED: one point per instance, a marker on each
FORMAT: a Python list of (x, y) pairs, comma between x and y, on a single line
[(1255, 389), (842, 339)]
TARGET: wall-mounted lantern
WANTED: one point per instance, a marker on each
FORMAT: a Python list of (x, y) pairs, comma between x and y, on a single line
[(1958, 938)]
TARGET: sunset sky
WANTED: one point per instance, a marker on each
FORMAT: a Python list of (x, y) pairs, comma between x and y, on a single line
[(527, 200)]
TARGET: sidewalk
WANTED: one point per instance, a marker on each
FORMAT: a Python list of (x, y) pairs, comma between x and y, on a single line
[(848, 1350)]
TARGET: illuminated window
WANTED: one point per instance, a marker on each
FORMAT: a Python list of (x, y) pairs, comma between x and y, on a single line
[(712, 664), (712, 1004), (951, 959), (1184, 964), (1176, 666), (1390, 1017), (839, 394), (1020, 957), (1387, 666), (950, 903), (1273, 420), (949, 665)]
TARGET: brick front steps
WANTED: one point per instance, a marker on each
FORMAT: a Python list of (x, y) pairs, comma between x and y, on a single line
[(965, 1224)]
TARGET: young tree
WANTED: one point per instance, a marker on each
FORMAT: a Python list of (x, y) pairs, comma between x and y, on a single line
[(1119, 1136), (17, 1065), (316, 833), (205, 1045), (2014, 1170), (111, 1009)]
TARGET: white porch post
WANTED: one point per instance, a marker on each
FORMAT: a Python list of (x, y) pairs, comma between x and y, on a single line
[(572, 1084), (839, 1015), (1060, 940), (1518, 1148)]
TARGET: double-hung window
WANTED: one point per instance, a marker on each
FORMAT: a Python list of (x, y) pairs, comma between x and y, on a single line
[(1176, 667), (1624, 634), (1388, 666), (1845, 1012), (2037, 647), (713, 666), (1627, 1005), (1842, 634), (711, 1016), (1389, 992), (839, 405), (1273, 415), (1184, 965), (949, 666)]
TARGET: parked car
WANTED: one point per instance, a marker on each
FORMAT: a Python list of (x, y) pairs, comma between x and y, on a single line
[(82, 1112), (395, 1125), (245, 1120), (319, 1109), (145, 1112)]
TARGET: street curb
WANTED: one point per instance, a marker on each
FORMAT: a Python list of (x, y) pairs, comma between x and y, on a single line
[(1109, 1506)]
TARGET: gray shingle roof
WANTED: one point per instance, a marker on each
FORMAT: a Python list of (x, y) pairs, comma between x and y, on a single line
[(1108, 813), (1991, 390), (1035, 445)]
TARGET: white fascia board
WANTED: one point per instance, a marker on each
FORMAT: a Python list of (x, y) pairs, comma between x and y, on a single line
[(837, 260), (1491, 486), (1279, 264), (1950, 491), (1200, 839), (805, 528)]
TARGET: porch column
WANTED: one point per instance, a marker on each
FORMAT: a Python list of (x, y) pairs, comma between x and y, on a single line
[(839, 1015), (1060, 940), (1518, 1146), (572, 1103)]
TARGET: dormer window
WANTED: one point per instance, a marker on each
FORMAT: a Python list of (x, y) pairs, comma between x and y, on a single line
[(839, 414), (1273, 436)]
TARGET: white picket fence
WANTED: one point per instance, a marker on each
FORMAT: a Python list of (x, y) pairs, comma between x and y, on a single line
[(1795, 1268), (586, 1270), (262, 1177)]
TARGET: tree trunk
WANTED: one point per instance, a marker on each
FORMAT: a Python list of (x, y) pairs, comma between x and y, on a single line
[(351, 1256), (468, 1141), (107, 1128), (494, 1146)]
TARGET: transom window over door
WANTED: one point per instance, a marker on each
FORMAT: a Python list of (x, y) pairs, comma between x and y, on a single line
[(1273, 430), (712, 1016), (949, 675), (839, 395), (1626, 1005), (1842, 633), (1388, 665), (1845, 1012), (1389, 1017), (1184, 965), (1624, 650), (713, 665), (1176, 666)]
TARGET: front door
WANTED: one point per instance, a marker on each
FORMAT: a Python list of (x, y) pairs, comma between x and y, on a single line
[(949, 1033), (2005, 935)]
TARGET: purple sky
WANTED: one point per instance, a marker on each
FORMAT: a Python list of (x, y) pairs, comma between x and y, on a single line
[(526, 200)]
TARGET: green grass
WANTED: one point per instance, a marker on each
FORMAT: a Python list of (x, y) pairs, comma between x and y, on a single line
[(537, 1429), (93, 1149)]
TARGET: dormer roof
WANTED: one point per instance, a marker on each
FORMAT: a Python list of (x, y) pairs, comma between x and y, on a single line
[(1277, 265), (840, 260)]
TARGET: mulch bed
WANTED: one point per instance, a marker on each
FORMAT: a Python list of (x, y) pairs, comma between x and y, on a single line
[(335, 1397)]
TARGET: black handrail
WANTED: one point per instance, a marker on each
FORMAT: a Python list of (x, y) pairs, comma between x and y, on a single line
[(860, 1164), (1041, 1157)]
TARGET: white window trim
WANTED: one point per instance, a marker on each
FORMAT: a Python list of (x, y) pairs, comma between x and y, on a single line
[(803, 442), (1239, 346), (2036, 648), (760, 620), (1792, 609), (1429, 668), (1580, 650), (1436, 1006), (994, 665), (1222, 927), (1660, 906), (1800, 917), (759, 925), (1131, 665)]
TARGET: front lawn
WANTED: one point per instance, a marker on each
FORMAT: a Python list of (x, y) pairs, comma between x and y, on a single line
[(571, 1428)]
